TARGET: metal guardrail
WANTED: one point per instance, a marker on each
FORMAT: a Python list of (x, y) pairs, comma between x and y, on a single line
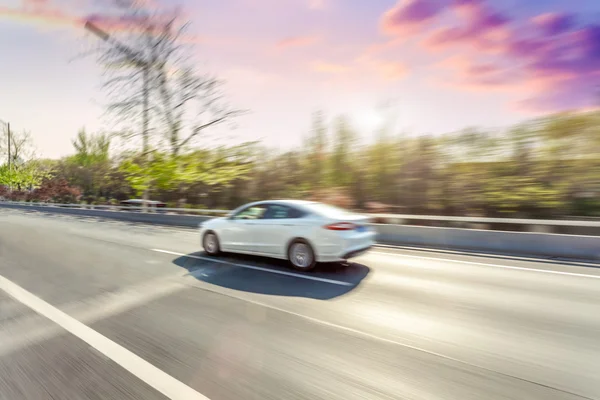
[(399, 219), (578, 239), (485, 220), (157, 210)]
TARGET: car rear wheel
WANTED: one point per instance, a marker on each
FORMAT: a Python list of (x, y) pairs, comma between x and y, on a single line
[(301, 256), (211, 244)]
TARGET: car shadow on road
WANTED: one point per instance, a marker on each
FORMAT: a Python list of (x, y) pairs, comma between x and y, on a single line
[(274, 277)]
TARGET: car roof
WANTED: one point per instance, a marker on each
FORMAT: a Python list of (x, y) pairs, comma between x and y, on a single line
[(281, 201), (291, 202)]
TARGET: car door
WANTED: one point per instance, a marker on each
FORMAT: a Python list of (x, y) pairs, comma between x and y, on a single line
[(239, 236), (278, 225)]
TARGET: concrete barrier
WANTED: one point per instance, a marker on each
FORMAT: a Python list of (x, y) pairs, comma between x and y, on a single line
[(522, 243), (188, 221)]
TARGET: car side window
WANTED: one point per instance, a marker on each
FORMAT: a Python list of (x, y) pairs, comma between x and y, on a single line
[(278, 211), (296, 213), (252, 212)]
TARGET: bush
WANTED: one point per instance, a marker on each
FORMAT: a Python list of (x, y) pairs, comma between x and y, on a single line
[(54, 190)]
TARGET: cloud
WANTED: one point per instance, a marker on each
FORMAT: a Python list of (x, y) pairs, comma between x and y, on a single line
[(330, 68), (548, 60), (386, 69), (392, 71), (119, 23), (35, 3), (296, 41), (478, 76), (554, 23), (565, 69), (478, 26), (71, 13), (38, 11), (409, 16)]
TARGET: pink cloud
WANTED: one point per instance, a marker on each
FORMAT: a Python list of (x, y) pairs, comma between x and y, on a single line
[(547, 59), (481, 76), (296, 41), (330, 68), (467, 9), (39, 12), (119, 23), (35, 3), (479, 26), (388, 70), (392, 71), (409, 16), (69, 14)]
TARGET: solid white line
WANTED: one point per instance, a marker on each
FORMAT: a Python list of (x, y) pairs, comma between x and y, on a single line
[(273, 271), (469, 253), (27, 331), (154, 377), (546, 271), (368, 335)]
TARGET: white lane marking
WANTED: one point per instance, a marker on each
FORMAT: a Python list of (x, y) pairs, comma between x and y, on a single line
[(547, 271), (468, 253), (272, 271), (27, 330), (142, 369), (394, 342)]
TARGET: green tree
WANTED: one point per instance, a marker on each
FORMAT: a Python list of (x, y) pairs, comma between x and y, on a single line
[(316, 156), (344, 140), (90, 167)]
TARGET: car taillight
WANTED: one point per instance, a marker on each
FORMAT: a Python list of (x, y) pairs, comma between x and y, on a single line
[(341, 226)]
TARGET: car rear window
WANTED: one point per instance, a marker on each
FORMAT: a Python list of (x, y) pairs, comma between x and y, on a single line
[(327, 210)]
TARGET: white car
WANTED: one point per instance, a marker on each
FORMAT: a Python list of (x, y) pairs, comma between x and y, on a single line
[(303, 232)]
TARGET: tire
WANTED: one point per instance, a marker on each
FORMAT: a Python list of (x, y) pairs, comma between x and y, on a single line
[(301, 255), (210, 242)]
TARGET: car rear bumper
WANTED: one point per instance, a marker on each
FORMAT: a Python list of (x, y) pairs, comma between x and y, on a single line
[(345, 249)]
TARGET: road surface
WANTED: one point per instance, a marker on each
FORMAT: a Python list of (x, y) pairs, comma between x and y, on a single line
[(94, 309)]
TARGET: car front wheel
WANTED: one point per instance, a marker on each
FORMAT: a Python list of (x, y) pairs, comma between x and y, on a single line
[(301, 256), (211, 244)]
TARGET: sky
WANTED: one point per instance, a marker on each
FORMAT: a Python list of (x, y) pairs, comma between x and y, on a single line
[(423, 66)]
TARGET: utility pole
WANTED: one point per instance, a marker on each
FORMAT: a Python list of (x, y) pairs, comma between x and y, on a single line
[(9, 157), (139, 61), (145, 116)]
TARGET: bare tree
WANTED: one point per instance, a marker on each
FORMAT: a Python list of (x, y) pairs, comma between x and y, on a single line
[(21, 146), (187, 90), (148, 73)]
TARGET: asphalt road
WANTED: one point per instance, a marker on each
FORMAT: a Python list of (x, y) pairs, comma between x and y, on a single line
[(93, 309)]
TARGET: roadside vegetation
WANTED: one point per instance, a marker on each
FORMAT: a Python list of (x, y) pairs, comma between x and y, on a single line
[(164, 110), (545, 168)]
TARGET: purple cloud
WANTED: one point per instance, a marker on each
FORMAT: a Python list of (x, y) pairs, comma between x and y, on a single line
[(467, 2), (553, 62), (479, 25), (561, 71), (576, 53), (554, 23), (408, 16)]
